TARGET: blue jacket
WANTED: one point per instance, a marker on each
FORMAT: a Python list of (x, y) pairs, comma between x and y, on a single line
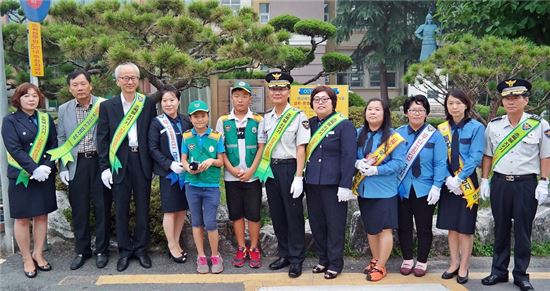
[(433, 163), (384, 184), (332, 161), (471, 146)]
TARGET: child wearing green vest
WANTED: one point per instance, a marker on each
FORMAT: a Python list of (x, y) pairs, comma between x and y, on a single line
[(202, 157), (244, 140)]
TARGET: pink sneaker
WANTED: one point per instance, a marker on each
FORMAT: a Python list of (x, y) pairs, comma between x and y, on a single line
[(217, 264), (255, 258), (240, 257), (202, 265)]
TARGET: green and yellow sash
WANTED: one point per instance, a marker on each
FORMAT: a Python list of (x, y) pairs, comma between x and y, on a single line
[(36, 150), (122, 130), (63, 152), (264, 168), (377, 157), (513, 138), (471, 194), (322, 132)]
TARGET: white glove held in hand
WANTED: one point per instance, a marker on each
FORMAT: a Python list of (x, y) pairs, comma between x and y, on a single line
[(41, 173), (107, 178), (453, 183), (64, 177), (542, 191), (485, 189), (176, 167), (433, 195), (344, 194), (371, 171), (297, 187), (361, 166)]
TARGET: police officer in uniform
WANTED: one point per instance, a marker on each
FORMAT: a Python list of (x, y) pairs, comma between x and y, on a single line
[(284, 189), (514, 189)]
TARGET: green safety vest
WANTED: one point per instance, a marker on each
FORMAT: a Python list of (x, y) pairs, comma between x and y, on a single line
[(250, 139), (208, 150)]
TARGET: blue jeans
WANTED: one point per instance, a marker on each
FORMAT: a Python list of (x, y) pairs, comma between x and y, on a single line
[(203, 204)]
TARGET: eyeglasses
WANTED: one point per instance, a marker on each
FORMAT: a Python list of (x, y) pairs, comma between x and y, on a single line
[(127, 79), (318, 100), (416, 111)]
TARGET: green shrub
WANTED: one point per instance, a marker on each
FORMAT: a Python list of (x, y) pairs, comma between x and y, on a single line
[(243, 74), (356, 100), (483, 110), (435, 121), (397, 102)]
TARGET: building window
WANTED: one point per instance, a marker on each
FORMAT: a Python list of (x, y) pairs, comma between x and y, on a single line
[(235, 5), (264, 13), (374, 77), (353, 77), (326, 13)]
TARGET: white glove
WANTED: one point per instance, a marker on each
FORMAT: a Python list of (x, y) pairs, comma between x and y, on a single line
[(371, 171), (433, 195), (176, 167), (485, 189), (453, 183), (297, 187), (542, 191), (344, 194), (64, 177), (107, 178), (361, 165), (41, 173)]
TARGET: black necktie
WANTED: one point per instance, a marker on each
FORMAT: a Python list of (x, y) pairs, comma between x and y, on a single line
[(454, 151), (368, 147), (416, 163)]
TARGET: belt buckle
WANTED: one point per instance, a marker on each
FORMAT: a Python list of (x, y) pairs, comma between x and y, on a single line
[(88, 155), (509, 178), (275, 161), (134, 149)]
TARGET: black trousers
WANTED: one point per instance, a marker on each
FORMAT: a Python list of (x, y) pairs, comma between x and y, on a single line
[(85, 188), (327, 218), (137, 185), (287, 213), (513, 200), (422, 213)]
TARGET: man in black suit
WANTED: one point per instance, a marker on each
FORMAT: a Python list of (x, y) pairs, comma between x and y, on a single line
[(129, 166)]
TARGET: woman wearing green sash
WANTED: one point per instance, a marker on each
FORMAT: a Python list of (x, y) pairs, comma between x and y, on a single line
[(458, 203), (329, 171), (27, 135)]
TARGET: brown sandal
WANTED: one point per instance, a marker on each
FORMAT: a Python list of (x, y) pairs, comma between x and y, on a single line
[(377, 273), (371, 264)]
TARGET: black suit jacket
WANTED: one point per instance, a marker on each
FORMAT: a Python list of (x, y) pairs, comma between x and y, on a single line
[(159, 148), (18, 133), (110, 115)]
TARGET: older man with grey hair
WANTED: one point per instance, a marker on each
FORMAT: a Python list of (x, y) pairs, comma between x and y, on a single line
[(125, 162)]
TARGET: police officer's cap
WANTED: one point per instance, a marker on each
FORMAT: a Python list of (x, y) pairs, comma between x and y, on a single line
[(278, 80), (513, 87)]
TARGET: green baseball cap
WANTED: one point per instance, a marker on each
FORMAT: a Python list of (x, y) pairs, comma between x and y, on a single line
[(242, 85), (197, 105)]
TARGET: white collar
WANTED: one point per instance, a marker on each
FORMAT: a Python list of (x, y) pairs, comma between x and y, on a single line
[(232, 115), (274, 114)]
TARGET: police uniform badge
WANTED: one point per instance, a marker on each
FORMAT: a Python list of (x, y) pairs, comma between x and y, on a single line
[(227, 128), (526, 126), (305, 124), (254, 129), (191, 146), (211, 149), (547, 133), (140, 97)]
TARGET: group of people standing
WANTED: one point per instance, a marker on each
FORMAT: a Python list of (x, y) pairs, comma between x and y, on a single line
[(108, 150)]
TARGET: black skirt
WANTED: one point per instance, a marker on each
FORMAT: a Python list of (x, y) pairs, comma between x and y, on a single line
[(38, 198), (172, 198), (453, 214), (378, 213)]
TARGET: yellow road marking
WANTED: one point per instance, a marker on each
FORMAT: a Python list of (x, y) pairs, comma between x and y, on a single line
[(532, 275)]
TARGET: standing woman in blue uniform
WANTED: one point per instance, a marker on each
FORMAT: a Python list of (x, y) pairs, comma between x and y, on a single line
[(377, 181), (165, 135), (421, 181), (31, 174), (465, 139), (330, 157)]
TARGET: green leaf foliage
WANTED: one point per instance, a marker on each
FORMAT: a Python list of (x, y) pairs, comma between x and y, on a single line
[(284, 22)]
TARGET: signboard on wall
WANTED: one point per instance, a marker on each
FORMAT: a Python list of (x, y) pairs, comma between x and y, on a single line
[(300, 97), (258, 99)]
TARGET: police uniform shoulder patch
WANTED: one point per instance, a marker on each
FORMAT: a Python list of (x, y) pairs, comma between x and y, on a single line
[(497, 118), (535, 117), (305, 124), (547, 133), (187, 134), (224, 117), (215, 135), (257, 117)]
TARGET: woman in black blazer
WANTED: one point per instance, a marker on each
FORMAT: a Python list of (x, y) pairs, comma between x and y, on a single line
[(165, 134), (31, 188)]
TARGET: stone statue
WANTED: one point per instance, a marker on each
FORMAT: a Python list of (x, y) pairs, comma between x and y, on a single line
[(426, 32)]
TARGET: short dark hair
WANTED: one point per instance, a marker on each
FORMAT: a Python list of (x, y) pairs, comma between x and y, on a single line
[(331, 94), (169, 89), (24, 89), (417, 99), (72, 75), (460, 95)]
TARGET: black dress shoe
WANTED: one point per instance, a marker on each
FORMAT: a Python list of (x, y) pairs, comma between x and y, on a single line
[(30, 274), (47, 267), (122, 263), (101, 260), (79, 261), (449, 275), (295, 270), (462, 280), (144, 260), (524, 285), (279, 264), (180, 260), (329, 274), (318, 269), (492, 280)]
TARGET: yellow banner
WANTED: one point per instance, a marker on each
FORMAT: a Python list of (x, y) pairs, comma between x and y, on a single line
[(35, 50), (300, 97)]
